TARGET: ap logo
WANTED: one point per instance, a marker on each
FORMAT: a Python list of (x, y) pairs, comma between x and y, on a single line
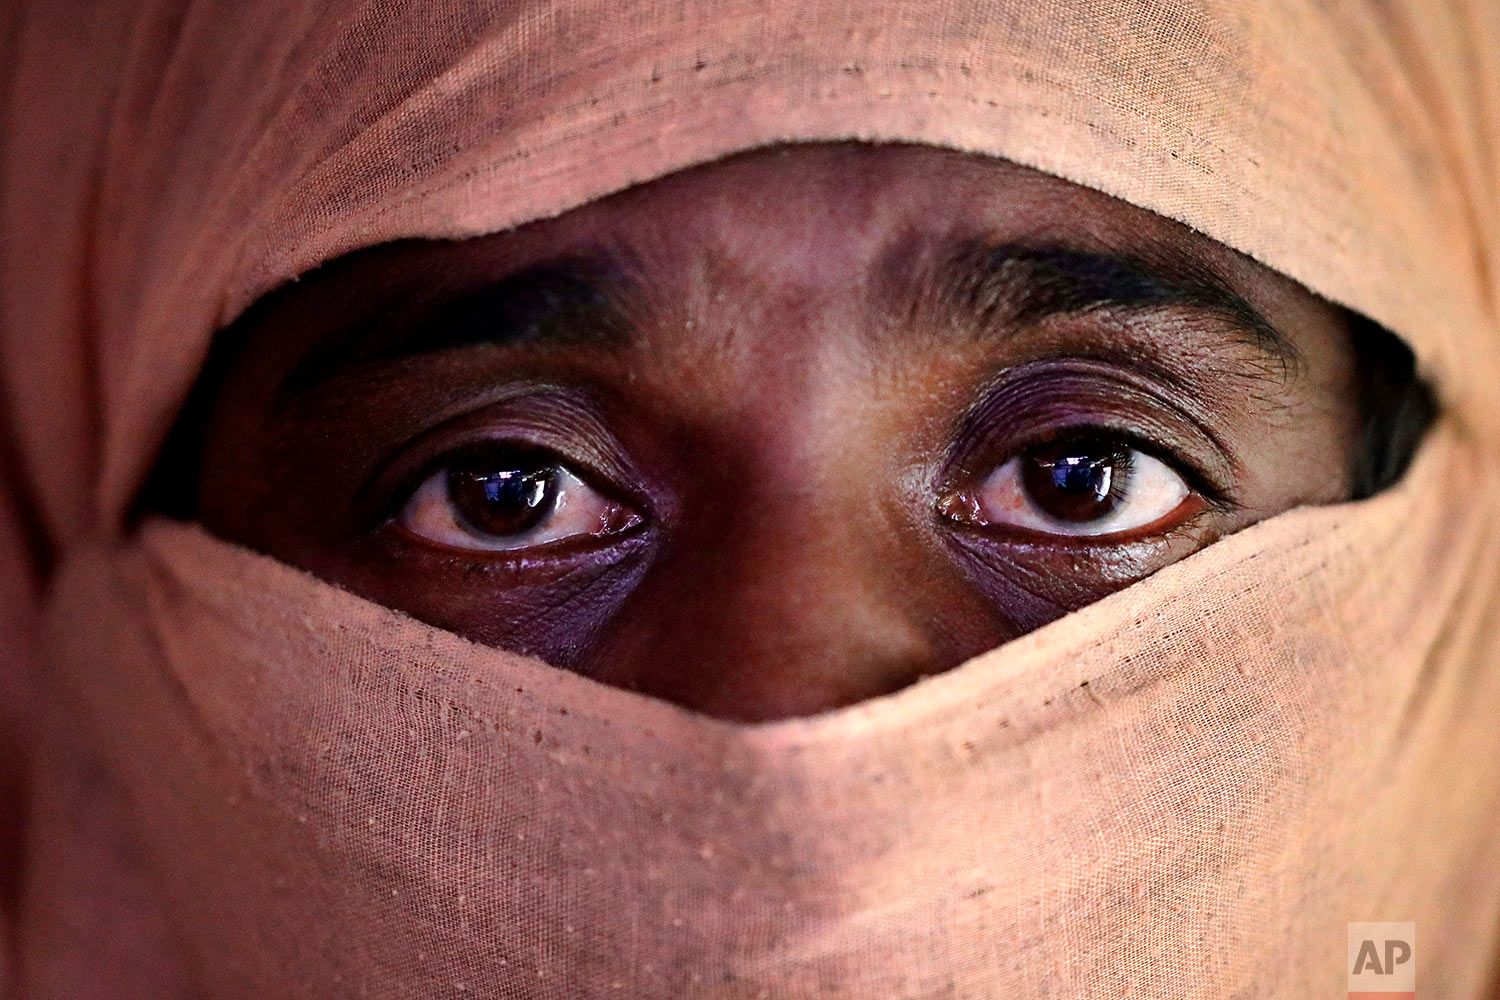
[(1382, 961)]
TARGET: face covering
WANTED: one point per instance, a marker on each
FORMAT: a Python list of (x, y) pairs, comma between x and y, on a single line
[(249, 783)]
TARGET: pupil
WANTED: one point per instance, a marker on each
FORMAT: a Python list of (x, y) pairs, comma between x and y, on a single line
[(1075, 482), (502, 501)]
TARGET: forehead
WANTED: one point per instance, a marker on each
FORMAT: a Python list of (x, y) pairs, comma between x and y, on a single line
[(834, 208), (808, 219), (807, 232)]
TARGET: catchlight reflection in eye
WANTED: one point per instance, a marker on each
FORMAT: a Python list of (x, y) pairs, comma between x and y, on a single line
[(1076, 489)]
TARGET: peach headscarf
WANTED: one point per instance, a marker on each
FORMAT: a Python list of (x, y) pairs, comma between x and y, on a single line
[(243, 782)]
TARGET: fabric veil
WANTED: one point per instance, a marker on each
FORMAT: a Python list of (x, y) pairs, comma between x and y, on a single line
[(246, 783)]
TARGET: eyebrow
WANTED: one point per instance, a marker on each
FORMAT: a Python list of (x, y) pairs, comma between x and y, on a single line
[(1015, 284), (563, 301), (592, 299)]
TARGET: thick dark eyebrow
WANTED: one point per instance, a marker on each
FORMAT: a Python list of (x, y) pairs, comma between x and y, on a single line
[(562, 301), (1018, 285)]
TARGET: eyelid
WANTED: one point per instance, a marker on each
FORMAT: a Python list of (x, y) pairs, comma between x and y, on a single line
[(539, 420), (1052, 399)]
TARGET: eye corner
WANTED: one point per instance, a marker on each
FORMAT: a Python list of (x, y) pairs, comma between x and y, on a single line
[(959, 505)]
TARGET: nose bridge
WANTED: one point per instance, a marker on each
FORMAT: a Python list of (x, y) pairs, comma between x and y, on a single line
[(808, 540), (786, 600), (789, 582)]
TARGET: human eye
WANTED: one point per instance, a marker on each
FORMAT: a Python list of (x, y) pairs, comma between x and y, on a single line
[(504, 497), (1094, 487)]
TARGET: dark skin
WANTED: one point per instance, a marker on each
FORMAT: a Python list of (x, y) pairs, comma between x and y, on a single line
[(781, 433)]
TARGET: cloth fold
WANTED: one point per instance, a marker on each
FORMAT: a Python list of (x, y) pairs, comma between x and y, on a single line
[(342, 801)]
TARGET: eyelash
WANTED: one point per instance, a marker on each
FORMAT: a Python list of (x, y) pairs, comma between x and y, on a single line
[(541, 420), (1027, 393)]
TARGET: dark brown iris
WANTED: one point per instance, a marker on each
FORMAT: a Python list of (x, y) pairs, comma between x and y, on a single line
[(1076, 481), (504, 497)]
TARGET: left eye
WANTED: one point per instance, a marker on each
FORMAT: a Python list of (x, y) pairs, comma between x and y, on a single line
[(1079, 488), (503, 502)]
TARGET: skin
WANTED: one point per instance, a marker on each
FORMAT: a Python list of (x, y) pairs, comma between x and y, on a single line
[(786, 422)]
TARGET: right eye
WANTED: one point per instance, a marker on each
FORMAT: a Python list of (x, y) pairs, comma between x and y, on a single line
[(507, 500), (1087, 488)]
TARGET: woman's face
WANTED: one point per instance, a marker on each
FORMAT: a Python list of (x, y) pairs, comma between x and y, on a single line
[(780, 433)]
